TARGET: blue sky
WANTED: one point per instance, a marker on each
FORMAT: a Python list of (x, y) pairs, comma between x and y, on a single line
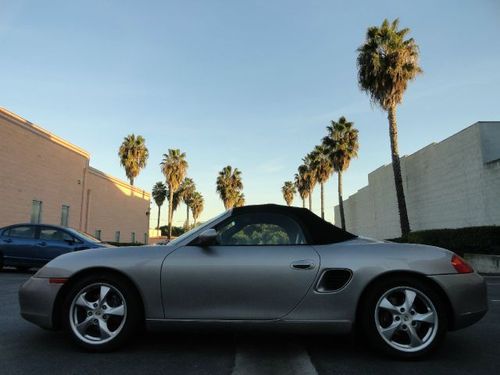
[(247, 83)]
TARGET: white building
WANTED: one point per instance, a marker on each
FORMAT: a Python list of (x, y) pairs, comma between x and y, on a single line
[(451, 184)]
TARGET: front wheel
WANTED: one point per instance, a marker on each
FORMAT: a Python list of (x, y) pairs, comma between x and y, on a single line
[(405, 318), (101, 312)]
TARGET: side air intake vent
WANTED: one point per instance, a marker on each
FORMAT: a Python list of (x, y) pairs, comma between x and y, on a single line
[(332, 280)]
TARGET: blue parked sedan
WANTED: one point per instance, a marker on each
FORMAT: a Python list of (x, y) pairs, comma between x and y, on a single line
[(32, 245)]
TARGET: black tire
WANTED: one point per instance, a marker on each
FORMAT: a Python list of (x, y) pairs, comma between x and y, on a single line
[(370, 316), (133, 319)]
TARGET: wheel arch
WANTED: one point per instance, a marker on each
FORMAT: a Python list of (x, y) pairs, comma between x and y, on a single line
[(402, 274), (58, 303)]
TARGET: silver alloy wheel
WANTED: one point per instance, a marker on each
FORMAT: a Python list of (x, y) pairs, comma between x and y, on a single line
[(406, 319), (98, 313)]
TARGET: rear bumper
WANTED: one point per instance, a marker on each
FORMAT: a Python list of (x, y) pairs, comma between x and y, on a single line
[(467, 295), (36, 301)]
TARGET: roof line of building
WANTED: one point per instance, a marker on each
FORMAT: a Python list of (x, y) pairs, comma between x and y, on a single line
[(435, 143), (115, 180), (38, 130), (422, 149)]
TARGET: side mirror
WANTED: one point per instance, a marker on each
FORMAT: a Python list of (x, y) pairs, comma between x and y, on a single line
[(207, 238)]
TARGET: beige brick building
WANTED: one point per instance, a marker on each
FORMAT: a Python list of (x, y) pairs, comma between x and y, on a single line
[(44, 178), (454, 183)]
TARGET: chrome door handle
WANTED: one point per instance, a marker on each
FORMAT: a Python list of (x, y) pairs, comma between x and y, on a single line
[(43, 243), (304, 264)]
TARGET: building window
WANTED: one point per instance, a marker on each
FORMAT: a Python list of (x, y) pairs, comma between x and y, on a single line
[(117, 236), (98, 233), (133, 237), (36, 212), (64, 215)]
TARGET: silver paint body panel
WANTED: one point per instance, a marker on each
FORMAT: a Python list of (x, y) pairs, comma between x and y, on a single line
[(255, 286)]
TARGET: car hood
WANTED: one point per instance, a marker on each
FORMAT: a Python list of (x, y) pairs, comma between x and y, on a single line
[(120, 259)]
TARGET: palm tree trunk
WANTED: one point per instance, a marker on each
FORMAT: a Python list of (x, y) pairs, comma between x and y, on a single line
[(132, 181), (398, 180), (322, 202), (341, 201), (310, 201), (170, 211), (187, 215), (158, 226), (303, 203)]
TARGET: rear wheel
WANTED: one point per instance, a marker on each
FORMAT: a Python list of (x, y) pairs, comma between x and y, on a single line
[(102, 312), (404, 317)]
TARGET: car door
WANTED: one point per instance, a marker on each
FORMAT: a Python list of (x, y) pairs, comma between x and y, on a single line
[(260, 268), (18, 245), (54, 242)]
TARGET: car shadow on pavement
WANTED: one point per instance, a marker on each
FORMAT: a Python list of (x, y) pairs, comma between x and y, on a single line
[(214, 353), (462, 352)]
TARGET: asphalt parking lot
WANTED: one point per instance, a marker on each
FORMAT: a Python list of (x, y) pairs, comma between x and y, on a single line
[(25, 348)]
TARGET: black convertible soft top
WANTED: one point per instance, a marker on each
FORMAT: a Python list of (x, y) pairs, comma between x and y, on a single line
[(316, 230)]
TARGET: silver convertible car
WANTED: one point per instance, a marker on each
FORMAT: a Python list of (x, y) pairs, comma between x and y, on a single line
[(261, 266)]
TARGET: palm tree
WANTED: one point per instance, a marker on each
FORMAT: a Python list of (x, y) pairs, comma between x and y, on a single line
[(174, 167), (187, 190), (197, 204), (288, 191), (176, 200), (133, 155), (301, 188), (322, 166), (159, 194), (229, 186), (341, 145), (240, 200), (386, 63), (308, 174)]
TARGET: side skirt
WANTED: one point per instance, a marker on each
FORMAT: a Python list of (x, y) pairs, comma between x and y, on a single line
[(297, 326)]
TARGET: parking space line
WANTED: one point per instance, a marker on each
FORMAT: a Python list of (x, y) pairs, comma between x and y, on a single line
[(289, 358)]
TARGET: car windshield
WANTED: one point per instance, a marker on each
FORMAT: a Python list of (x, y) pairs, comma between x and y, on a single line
[(190, 232), (85, 236)]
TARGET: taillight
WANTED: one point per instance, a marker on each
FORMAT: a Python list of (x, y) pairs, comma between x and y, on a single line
[(461, 265)]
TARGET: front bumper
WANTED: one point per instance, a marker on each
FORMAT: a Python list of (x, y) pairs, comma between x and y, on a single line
[(36, 301), (468, 297)]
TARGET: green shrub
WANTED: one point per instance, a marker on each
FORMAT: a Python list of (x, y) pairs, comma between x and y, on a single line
[(477, 240), (176, 231)]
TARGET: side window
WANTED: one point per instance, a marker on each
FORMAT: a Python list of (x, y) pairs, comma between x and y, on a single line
[(260, 230), (21, 232), (53, 234)]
